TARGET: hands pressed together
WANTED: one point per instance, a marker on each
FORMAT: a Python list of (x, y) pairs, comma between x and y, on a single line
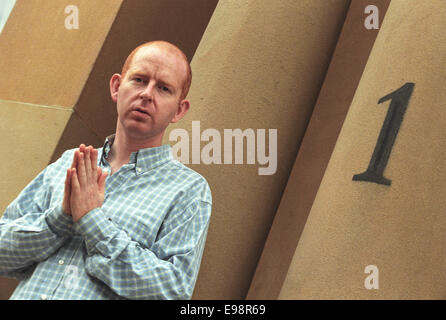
[(84, 183)]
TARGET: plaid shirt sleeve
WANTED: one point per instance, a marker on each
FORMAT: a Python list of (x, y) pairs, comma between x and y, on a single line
[(168, 270), (30, 231)]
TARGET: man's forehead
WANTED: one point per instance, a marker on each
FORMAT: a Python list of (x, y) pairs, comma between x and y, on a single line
[(168, 60)]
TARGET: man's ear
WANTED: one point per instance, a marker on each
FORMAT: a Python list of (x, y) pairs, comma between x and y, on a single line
[(115, 82), (183, 107)]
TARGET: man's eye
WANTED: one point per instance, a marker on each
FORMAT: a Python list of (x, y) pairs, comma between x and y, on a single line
[(139, 80), (165, 89)]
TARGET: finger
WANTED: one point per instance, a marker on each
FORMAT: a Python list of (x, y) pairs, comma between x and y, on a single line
[(98, 173), (68, 182), (81, 174), (101, 182), (75, 186), (82, 148), (75, 192), (94, 163), (87, 161), (67, 192), (101, 186), (74, 162)]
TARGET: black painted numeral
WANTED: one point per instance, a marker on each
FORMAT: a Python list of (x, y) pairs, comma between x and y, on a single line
[(398, 105)]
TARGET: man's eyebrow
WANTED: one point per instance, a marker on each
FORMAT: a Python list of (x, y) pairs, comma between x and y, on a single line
[(145, 76), (138, 74)]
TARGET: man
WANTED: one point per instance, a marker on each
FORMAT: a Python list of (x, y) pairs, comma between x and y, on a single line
[(137, 232)]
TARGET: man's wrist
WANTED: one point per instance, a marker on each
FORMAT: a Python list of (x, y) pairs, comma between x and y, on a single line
[(96, 229), (59, 222)]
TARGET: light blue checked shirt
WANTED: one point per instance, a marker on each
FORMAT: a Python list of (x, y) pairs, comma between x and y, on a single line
[(145, 242)]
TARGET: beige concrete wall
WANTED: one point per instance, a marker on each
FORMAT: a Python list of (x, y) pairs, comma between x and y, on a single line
[(399, 228), (259, 65), (29, 134), (54, 82), (342, 78)]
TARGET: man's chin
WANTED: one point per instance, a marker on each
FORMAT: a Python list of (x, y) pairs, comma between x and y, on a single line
[(139, 134)]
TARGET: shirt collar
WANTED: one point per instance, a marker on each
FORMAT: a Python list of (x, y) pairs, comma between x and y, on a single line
[(144, 159)]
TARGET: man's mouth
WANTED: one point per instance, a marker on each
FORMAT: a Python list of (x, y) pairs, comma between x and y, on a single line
[(141, 110)]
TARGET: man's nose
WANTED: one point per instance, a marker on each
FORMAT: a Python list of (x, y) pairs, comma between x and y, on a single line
[(147, 93)]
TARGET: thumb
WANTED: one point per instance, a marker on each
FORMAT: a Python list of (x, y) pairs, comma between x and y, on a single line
[(67, 193), (101, 180), (99, 172)]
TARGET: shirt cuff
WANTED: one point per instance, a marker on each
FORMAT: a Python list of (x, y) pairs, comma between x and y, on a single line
[(59, 222), (97, 231)]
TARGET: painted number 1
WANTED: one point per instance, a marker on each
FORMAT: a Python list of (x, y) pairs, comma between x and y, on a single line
[(398, 105)]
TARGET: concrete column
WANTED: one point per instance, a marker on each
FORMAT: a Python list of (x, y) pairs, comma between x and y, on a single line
[(376, 229), (258, 68), (346, 67)]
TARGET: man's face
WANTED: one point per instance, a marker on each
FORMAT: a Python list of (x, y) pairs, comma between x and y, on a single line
[(148, 95)]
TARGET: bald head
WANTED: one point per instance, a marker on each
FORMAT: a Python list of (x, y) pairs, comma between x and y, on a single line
[(168, 48)]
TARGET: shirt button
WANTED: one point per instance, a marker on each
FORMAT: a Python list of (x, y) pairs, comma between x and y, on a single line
[(61, 262), (139, 169), (43, 297)]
